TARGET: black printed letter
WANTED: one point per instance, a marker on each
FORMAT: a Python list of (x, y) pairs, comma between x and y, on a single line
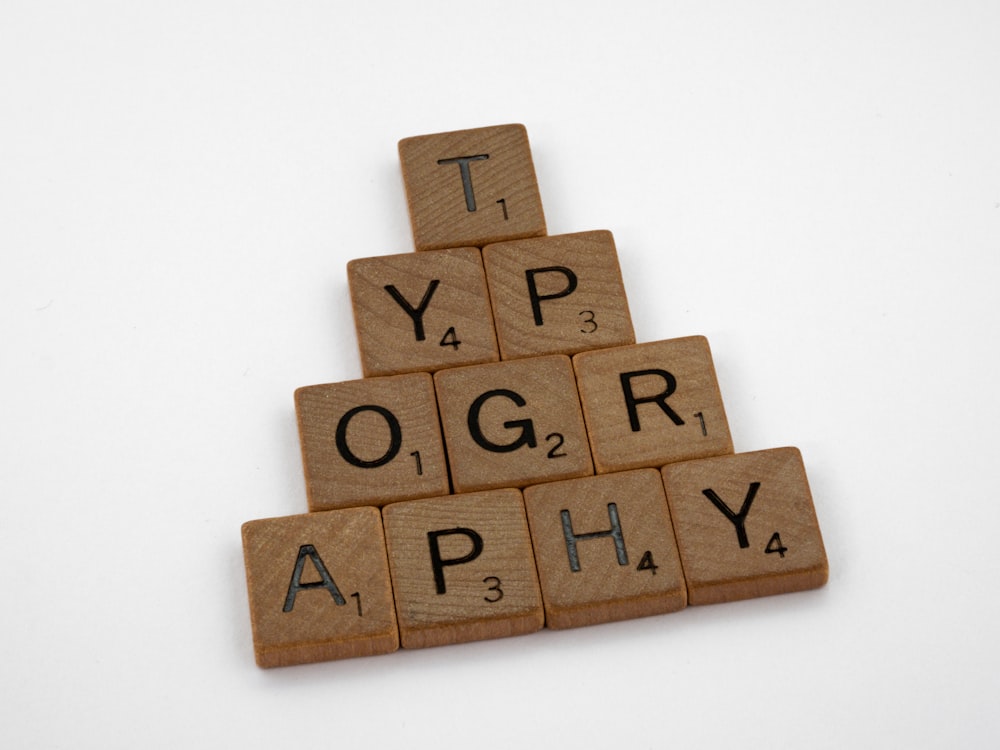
[(536, 298), (527, 436), (438, 564), (660, 399), (463, 167), (416, 315)]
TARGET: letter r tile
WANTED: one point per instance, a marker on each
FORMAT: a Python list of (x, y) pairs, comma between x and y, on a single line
[(319, 587), (604, 548), (371, 441), (651, 404), (471, 187), (462, 568), (745, 525), (422, 311)]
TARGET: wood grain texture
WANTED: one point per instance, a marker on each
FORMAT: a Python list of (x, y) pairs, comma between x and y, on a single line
[(300, 615), (471, 187), (766, 541), (421, 311), (462, 568), (557, 295), (604, 549), (513, 423), (371, 441), (651, 404)]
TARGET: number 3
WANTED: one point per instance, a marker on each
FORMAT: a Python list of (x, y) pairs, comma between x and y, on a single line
[(495, 588), (588, 321)]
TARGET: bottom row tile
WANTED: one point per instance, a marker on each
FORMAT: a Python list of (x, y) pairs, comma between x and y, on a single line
[(490, 564)]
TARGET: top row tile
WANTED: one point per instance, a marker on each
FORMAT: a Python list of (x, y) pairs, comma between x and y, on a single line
[(471, 187)]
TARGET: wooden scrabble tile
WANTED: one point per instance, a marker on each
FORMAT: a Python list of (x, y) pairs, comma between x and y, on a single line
[(604, 548), (422, 311), (745, 525), (462, 568), (511, 424), (557, 295), (370, 442), (471, 187), (319, 587), (652, 404)]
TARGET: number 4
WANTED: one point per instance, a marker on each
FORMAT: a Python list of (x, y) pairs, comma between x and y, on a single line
[(450, 338), (646, 563), (774, 545)]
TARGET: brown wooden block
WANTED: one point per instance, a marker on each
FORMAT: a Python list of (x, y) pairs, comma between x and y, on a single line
[(471, 187), (422, 311), (745, 525), (370, 442), (557, 295), (462, 568), (511, 424), (652, 404), (604, 548), (319, 587)]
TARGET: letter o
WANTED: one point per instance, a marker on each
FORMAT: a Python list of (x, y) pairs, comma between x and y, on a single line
[(395, 437)]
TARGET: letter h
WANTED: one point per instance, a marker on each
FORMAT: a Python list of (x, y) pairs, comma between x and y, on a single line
[(615, 532)]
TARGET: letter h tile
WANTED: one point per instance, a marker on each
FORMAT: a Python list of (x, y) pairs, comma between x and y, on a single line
[(604, 548)]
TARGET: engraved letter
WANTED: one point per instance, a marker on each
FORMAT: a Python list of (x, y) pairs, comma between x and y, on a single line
[(463, 167), (395, 437), (737, 519), (615, 532), (296, 585)]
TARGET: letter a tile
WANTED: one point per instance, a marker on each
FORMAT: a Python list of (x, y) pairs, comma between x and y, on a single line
[(652, 404), (422, 311), (471, 187), (462, 568), (371, 442), (557, 295), (604, 548), (319, 587), (745, 525)]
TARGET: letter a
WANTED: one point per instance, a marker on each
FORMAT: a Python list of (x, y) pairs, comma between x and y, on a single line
[(296, 585)]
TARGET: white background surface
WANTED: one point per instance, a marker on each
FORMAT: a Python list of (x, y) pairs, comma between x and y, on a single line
[(813, 186)]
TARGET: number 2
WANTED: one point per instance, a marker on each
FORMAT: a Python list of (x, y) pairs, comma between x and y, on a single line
[(554, 451)]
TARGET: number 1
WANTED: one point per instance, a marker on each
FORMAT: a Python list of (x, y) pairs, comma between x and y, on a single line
[(701, 418)]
